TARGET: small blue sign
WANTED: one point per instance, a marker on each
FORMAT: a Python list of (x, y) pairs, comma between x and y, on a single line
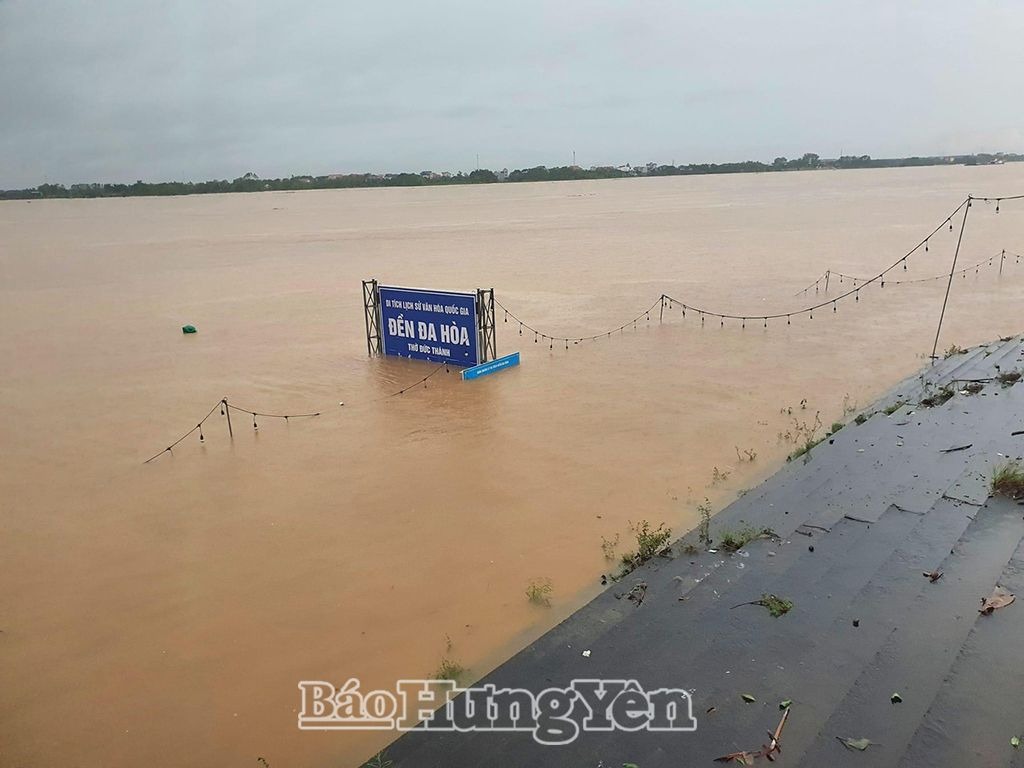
[(492, 367), (439, 326)]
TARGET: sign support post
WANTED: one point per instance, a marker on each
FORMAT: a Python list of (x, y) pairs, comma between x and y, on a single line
[(371, 311), (488, 330)]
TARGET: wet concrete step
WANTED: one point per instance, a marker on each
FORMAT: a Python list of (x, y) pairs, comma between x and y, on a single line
[(945, 369), (908, 391), (921, 647), (987, 367), (816, 663), (1014, 347), (935, 372), (912, 476), (808, 503), (764, 507), (698, 587), (974, 483), (1012, 359), (980, 705), (889, 470), (805, 503), (972, 360)]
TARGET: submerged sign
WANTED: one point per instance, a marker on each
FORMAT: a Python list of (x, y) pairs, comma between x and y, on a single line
[(492, 367), (439, 326)]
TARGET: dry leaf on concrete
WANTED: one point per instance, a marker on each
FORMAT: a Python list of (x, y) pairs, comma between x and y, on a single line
[(999, 598)]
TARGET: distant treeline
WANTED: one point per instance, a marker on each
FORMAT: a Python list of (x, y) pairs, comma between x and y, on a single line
[(250, 182)]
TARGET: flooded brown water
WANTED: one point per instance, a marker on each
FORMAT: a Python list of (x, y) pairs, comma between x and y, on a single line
[(163, 614)]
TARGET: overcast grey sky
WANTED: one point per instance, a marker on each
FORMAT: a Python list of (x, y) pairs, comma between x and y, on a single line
[(118, 90)]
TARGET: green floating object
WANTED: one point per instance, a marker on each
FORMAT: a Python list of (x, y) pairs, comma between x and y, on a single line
[(188, 329)]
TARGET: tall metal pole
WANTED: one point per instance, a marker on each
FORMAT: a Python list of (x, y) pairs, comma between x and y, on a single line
[(952, 269), (227, 412), (661, 316), (827, 273), (1002, 258)]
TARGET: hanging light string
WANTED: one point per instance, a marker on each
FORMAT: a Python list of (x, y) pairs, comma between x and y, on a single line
[(945, 223), (813, 285), (422, 381), (274, 415), (990, 261), (199, 426), (998, 200), (855, 291), (537, 334), (669, 302), (226, 408)]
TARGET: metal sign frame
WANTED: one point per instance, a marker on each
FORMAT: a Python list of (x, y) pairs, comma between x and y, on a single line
[(486, 326), (371, 313)]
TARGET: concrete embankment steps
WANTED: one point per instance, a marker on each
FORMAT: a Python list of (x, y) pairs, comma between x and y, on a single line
[(766, 656), (989, 365), (922, 646), (976, 363), (972, 485), (959, 363), (1010, 357), (976, 360), (980, 705), (981, 362), (813, 662), (813, 500)]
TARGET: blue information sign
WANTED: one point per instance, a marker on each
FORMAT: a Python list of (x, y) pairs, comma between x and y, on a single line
[(439, 326), (485, 369)]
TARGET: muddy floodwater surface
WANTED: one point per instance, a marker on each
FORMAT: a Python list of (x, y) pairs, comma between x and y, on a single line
[(163, 614)]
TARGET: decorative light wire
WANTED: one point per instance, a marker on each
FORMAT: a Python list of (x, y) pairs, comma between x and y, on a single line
[(809, 310), (947, 222), (422, 381), (704, 313), (198, 426), (274, 415), (855, 291), (225, 410), (537, 334), (990, 261)]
